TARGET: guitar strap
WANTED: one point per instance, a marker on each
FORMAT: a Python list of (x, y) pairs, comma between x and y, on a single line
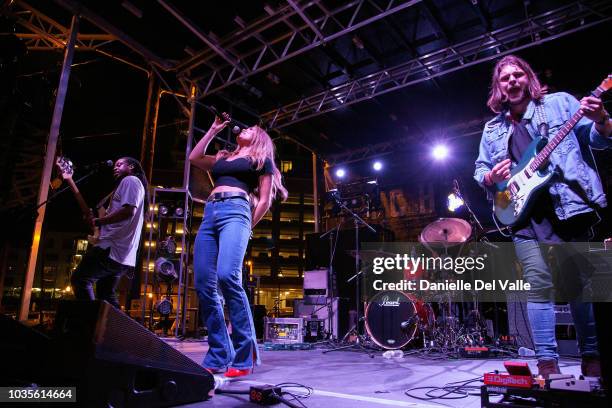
[(105, 202), (541, 119)]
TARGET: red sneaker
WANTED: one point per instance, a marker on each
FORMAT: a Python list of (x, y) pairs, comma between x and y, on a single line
[(236, 372)]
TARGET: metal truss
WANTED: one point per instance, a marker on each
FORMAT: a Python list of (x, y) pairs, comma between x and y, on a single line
[(45, 34), (298, 33), (532, 31), (460, 130)]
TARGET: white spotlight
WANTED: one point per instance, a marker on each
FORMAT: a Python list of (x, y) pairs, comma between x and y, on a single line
[(454, 202), (377, 166), (440, 152), (340, 173)]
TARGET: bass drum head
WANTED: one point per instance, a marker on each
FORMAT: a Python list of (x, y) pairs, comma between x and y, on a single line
[(385, 313)]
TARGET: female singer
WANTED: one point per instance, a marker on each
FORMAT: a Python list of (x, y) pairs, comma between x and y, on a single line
[(245, 182)]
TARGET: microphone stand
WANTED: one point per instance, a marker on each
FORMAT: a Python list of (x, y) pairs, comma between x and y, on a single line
[(479, 237), (357, 220), (34, 209), (329, 302)]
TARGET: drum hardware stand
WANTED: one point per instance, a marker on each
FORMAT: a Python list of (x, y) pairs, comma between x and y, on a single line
[(479, 234), (358, 274)]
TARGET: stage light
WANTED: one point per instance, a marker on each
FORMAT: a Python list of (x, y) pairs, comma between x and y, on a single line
[(454, 202), (163, 210), (165, 270), (377, 166), (164, 307), (440, 152), (340, 173), (167, 246)]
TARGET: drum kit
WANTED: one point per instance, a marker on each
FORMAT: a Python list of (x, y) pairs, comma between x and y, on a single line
[(393, 319)]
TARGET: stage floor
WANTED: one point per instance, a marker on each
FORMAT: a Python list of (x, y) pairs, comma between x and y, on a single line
[(353, 379)]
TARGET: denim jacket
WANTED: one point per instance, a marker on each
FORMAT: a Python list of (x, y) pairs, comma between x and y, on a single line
[(577, 188)]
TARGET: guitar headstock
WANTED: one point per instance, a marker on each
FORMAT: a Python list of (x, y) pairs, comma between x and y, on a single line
[(65, 166), (606, 84)]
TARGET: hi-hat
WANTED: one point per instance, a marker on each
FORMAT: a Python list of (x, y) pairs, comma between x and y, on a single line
[(446, 231)]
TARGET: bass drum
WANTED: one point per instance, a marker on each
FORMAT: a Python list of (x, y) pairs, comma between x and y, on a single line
[(392, 318)]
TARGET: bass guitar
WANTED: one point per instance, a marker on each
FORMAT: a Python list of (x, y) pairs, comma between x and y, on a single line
[(67, 169)]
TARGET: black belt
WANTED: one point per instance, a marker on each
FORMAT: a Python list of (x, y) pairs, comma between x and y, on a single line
[(224, 195)]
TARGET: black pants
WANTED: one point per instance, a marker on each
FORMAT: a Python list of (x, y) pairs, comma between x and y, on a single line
[(97, 267)]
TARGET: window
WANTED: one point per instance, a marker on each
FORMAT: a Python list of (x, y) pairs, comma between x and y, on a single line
[(81, 245), (286, 166), (288, 271)]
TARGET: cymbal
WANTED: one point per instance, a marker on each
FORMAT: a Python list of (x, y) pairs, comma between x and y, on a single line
[(446, 231)]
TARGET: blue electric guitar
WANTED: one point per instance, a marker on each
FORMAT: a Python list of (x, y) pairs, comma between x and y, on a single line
[(515, 196)]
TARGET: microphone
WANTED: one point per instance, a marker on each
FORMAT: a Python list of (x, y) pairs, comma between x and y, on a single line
[(406, 324), (236, 125), (103, 163)]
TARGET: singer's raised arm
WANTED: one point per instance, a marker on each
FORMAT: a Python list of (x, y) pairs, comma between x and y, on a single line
[(198, 156)]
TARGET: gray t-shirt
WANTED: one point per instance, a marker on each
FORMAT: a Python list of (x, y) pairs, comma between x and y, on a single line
[(123, 237)]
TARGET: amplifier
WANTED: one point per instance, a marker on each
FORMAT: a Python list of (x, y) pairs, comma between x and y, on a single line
[(565, 332), (305, 310), (315, 286), (314, 330), (284, 330)]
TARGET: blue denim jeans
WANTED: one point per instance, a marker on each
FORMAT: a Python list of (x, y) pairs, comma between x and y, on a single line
[(218, 256), (540, 306)]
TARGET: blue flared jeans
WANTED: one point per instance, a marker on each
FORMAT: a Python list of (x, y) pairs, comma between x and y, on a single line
[(218, 257), (540, 305)]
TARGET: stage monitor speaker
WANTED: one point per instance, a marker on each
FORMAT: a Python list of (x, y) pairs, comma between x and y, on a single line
[(22, 352), (114, 361)]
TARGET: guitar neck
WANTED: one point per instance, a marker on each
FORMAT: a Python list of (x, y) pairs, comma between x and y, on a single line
[(79, 198), (567, 127)]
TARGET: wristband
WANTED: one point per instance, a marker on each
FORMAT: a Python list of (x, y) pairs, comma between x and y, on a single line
[(97, 222)]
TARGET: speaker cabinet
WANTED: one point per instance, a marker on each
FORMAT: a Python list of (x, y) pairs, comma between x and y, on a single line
[(114, 361), (23, 351), (336, 325)]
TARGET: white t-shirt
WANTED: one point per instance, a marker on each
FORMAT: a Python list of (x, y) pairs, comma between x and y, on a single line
[(123, 237)]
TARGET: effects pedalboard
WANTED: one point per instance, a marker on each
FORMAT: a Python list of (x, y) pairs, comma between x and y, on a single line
[(519, 389)]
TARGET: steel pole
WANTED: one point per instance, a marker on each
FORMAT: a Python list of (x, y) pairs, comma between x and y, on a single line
[(26, 292)]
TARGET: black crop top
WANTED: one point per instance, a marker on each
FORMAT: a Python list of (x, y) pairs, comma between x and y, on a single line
[(239, 173)]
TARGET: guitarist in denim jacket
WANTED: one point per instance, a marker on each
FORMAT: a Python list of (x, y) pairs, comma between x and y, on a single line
[(565, 209)]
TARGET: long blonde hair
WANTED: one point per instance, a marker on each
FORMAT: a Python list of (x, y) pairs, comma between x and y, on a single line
[(497, 101), (260, 149)]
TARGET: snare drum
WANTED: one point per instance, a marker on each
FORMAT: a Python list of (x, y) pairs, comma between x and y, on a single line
[(392, 318)]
